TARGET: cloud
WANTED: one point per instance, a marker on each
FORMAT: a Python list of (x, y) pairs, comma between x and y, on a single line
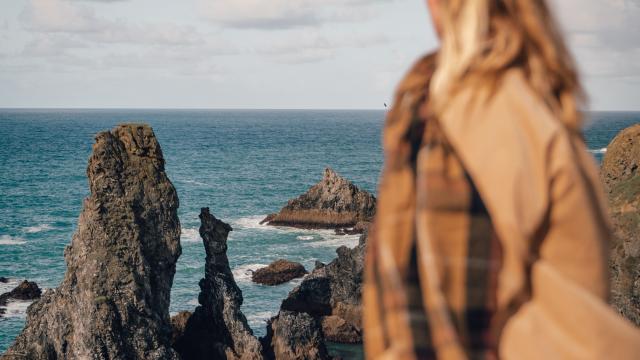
[(60, 16), (604, 35), (284, 14)]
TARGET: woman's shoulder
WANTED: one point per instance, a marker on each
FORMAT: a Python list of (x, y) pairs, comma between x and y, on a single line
[(509, 107)]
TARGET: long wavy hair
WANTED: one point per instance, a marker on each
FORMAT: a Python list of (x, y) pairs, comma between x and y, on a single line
[(481, 39)]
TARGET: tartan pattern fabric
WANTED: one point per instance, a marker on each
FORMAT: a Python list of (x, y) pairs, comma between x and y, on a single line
[(433, 255)]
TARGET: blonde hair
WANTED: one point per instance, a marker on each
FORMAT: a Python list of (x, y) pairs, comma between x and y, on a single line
[(481, 39)]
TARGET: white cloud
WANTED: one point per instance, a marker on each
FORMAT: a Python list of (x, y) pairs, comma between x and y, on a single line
[(284, 14), (604, 35), (60, 16)]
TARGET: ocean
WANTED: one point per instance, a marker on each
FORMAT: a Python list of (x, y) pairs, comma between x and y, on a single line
[(242, 164)]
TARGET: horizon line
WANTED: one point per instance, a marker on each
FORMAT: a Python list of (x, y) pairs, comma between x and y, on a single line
[(231, 109)]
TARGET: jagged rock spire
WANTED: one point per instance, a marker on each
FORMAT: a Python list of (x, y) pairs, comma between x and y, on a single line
[(114, 300)]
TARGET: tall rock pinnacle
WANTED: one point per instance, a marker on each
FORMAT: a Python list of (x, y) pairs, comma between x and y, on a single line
[(217, 329), (114, 300)]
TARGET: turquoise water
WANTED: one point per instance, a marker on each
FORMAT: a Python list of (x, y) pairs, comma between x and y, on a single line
[(241, 164)]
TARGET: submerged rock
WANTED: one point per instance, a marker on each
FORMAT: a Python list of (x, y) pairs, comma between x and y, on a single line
[(278, 272), (3, 280), (217, 329), (622, 180), (332, 203), (114, 300)]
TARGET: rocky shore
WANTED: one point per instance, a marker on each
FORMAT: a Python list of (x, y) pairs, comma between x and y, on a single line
[(333, 203), (114, 300)]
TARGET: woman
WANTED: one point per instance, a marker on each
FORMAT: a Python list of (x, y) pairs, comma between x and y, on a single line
[(491, 235)]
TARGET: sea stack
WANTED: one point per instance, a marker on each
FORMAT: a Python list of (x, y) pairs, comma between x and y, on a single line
[(621, 175), (333, 203), (217, 329), (114, 300)]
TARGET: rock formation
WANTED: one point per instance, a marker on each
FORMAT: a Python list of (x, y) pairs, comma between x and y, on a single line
[(334, 202), (278, 272), (621, 177), (27, 290), (333, 293), (114, 300), (3, 280), (327, 304), (294, 335), (217, 329)]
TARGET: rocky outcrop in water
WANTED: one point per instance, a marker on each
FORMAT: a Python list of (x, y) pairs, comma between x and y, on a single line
[(621, 175), (27, 290), (114, 300), (278, 272), (294, 335), (217, 329), (332, 203), (3, 280), (326, 304)]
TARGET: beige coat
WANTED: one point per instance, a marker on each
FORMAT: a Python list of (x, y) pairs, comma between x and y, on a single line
[(542, 191)]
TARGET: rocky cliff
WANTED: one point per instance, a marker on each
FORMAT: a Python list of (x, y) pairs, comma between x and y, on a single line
[(334, 202), (325, 306), (114, 300), (621, 176), (217, 329)]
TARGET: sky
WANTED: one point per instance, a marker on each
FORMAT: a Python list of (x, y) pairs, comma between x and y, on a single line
[(264, 54)]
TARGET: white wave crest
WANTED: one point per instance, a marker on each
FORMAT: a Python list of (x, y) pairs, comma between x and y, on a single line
[(243, 273), (259, 319), (335, 241), (598, 151), (17, 308), (251, 223), (305, 237), (190, 235), (37, 228), (8, 286), (11, 240), (194, 182)]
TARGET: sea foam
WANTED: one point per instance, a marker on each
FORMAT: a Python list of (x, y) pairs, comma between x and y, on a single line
[(190, 235), (37, 228), (598, 151), (11, 240), (243, 273)]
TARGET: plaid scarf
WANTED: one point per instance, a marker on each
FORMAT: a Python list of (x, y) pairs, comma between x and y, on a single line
[(433, 255)]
